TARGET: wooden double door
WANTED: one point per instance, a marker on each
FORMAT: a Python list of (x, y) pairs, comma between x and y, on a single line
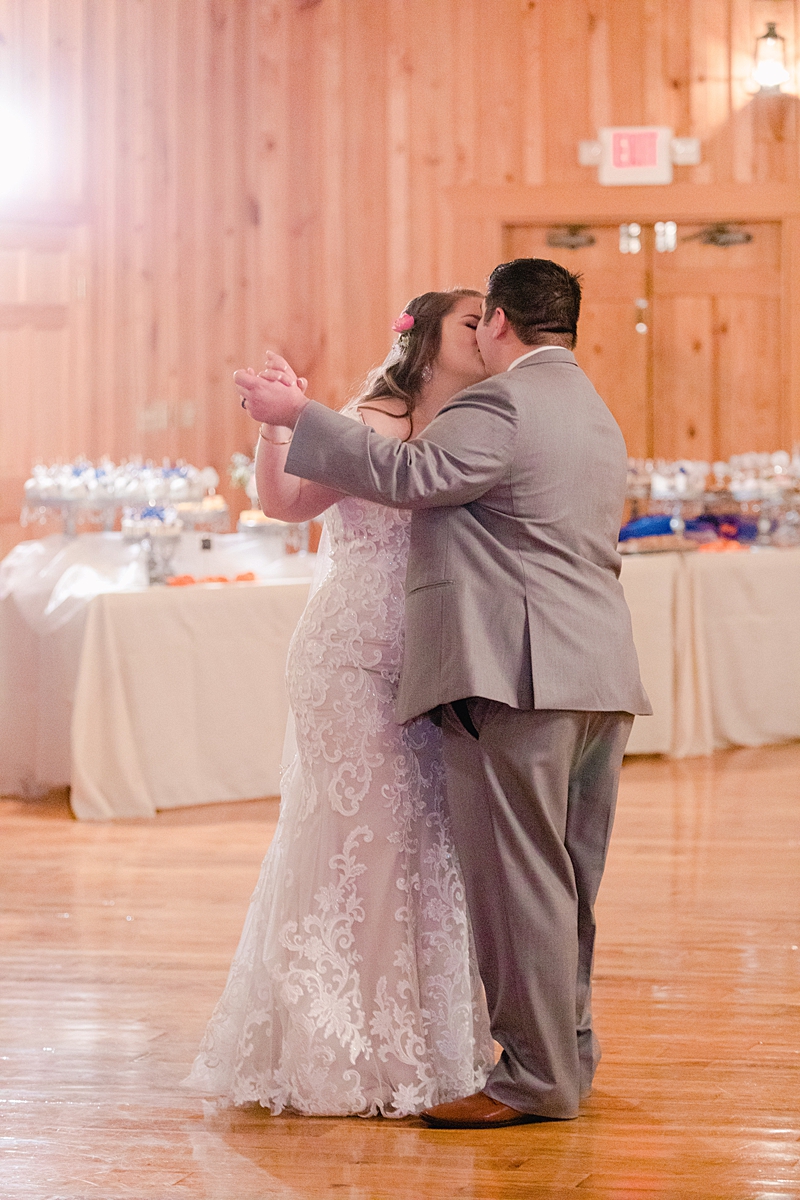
[(684, 345)]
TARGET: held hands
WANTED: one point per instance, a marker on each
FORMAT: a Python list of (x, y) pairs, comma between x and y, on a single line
[(276, 395)]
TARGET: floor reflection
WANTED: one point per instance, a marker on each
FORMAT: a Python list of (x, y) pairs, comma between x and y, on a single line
[(696, 989)]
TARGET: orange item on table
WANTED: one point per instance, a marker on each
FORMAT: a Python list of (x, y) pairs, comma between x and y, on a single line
[(187, 580), (721, 546)]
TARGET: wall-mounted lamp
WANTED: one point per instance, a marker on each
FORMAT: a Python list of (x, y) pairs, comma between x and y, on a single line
[(769, 66)]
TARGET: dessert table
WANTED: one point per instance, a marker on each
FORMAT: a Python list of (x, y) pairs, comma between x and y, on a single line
[(180, 697), (746, 612), (650, 582), (718, 637), (144, 698)]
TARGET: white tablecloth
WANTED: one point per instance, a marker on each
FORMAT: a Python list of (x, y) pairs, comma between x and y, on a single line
[(748, 645), (52, 665), (718, 637), (154, 698), (650, 582), (180, 697)]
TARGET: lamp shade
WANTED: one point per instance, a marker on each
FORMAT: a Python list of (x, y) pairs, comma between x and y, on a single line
[(769, 70)]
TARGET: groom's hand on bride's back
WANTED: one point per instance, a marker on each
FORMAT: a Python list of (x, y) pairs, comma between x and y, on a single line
[(276, 395)]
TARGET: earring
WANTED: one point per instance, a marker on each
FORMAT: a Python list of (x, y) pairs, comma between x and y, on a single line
[(427, 373)]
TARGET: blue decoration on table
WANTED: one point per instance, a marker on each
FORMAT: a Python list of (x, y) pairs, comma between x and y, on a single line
[(645, 527), (731, 526), (725, 525)]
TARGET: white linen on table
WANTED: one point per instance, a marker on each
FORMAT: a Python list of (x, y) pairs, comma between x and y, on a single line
[(735, 649), (691, 731), (167, 679), (749, 610), (180, 698), (53, 579), (650, 582), (37, 681), (46, 587), (19, 701)]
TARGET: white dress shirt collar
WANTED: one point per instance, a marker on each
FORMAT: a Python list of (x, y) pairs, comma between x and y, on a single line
[(530, 353)]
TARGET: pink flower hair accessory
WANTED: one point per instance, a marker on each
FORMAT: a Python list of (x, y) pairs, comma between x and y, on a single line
[(403, 323)]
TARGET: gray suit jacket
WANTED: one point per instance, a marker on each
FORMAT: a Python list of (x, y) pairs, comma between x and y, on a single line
[(513, 591)]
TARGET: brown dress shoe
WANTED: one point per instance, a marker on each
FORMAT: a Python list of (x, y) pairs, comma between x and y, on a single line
[(476, 1112)]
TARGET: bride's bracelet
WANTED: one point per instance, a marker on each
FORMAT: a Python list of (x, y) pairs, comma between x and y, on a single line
[(271, 441)]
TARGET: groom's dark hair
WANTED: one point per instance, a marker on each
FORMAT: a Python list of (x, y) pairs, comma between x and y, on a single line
[(539, 297)]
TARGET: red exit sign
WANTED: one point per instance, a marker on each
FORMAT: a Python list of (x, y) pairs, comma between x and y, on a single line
[(635, 154), (637, 148)]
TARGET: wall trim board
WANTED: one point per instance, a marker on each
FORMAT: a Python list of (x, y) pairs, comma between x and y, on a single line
[(27, 215), (584, 204)]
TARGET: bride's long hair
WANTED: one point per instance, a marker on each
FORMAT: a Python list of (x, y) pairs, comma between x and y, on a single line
[(402, 373)]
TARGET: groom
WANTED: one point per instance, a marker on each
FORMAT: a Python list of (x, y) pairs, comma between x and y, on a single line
[(517, 632)]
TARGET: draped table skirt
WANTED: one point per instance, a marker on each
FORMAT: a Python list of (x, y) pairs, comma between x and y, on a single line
[(144, 698), (180, 697), (718, 637), (154, 698)]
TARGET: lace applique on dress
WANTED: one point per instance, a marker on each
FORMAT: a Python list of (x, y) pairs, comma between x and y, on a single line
[(354, 988)]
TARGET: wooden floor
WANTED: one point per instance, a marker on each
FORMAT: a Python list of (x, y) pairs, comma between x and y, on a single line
[(116, 940)]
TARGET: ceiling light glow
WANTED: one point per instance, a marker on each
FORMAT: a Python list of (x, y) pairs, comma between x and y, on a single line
[(16, 151)]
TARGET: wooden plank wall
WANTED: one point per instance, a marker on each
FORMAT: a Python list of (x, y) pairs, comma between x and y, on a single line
[(166, 198), (188, 155), (499, 95), (225, 174)]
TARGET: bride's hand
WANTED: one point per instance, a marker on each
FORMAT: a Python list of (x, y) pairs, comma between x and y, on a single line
[(277, 368), (275, 396)]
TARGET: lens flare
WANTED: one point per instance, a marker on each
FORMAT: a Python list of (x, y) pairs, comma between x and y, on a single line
[(16, 151)]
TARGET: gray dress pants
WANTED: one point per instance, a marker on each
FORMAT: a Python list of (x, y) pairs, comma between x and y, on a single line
[(531, 795)]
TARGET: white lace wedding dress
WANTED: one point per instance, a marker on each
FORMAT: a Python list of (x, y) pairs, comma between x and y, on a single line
[(354, 987)]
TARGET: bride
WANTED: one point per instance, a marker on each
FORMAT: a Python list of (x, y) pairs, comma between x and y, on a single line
[(354, 988)]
